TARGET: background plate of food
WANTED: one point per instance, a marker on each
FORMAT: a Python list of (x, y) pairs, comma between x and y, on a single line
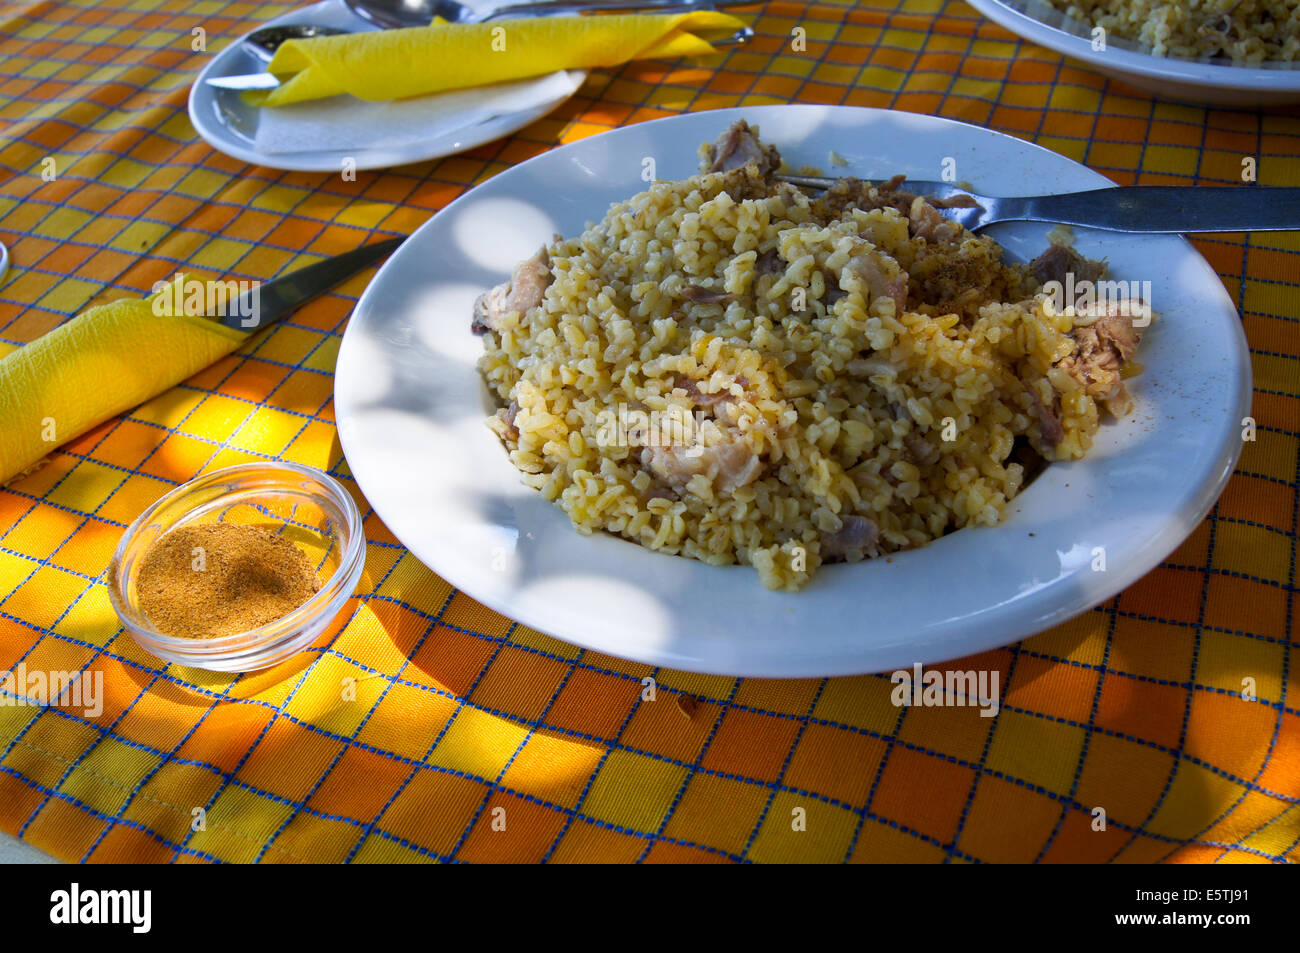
[(868, 389), (342, 133), (1220, 53)]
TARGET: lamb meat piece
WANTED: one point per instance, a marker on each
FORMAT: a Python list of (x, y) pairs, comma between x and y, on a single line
[(898, 197), (700, 399), (701, 295), (1061, 260), (769, 262), (728, 466), (524, 290), (960, 200), (879, 283), (508, 415), (954, 271), (849, 192), (1120, 332), (921, 450), (1049, 417), (488, 309), (833, 292), (857, 532), (1100, 353), (924, 219), (1031, 461), (739, 146), (748, 183), (1222, 24)]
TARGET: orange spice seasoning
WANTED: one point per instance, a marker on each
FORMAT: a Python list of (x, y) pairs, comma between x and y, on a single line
[(202, 582)]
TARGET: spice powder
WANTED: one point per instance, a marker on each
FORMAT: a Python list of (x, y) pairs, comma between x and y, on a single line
[(218, 579)]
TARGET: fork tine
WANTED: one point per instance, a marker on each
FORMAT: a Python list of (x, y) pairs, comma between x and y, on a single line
[(917, 186), (807, 181), (971, 218)]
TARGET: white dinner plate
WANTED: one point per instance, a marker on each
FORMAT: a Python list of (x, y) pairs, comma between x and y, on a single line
[(411, 410), (1178, 78), (229, 125)]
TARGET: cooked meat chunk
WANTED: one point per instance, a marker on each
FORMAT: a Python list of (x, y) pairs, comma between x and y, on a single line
[(488, 309), (508, 415), (857, 532), (728, 466), (926, 221), (770, 262), (748, 183), (1049, 417), (921, 450), (1101, 351), (702, 295), (1120, 331), (524, 290), (739, 146), (701, 399), (849, 193), (1061, 260), (880, 284), (1031, 461), (949, 269)]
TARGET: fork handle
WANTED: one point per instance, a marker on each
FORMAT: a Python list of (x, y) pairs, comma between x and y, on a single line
[(1163, 208)]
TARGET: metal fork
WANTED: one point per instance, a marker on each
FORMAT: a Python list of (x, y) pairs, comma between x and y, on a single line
[(1165, 209)]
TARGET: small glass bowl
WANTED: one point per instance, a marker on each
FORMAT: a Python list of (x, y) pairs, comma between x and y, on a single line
[(308, 507)]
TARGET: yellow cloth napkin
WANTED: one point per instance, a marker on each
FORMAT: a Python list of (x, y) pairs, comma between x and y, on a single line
[(398, 64), (101, 363)]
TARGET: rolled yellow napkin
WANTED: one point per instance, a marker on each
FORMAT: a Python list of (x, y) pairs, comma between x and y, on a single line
[(103, 362), (398, 64)]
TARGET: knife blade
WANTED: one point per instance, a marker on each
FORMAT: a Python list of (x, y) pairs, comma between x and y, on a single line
[(245, 81), (1166, 208), (268, 302)]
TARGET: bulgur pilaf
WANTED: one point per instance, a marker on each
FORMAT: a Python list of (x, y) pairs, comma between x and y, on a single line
[(1245, 31), (842, 377)]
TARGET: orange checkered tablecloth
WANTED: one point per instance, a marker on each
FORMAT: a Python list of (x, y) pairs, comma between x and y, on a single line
[(1134, 707)]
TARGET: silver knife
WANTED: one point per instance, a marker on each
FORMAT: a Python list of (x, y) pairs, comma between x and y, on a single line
[(1167, 209), (270, 301), (246, 81)]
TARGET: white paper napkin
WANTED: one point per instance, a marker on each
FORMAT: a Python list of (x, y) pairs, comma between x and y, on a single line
[(345, 122)]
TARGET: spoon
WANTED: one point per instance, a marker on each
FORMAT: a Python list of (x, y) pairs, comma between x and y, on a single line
[(264, 42), (393, 14)]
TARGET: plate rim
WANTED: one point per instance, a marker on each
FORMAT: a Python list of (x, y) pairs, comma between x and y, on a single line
[(1222, 76), (210, 131), (1151, 556)]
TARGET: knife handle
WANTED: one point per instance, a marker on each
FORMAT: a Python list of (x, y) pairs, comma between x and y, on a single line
[(271, 301), (1165, 208)]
